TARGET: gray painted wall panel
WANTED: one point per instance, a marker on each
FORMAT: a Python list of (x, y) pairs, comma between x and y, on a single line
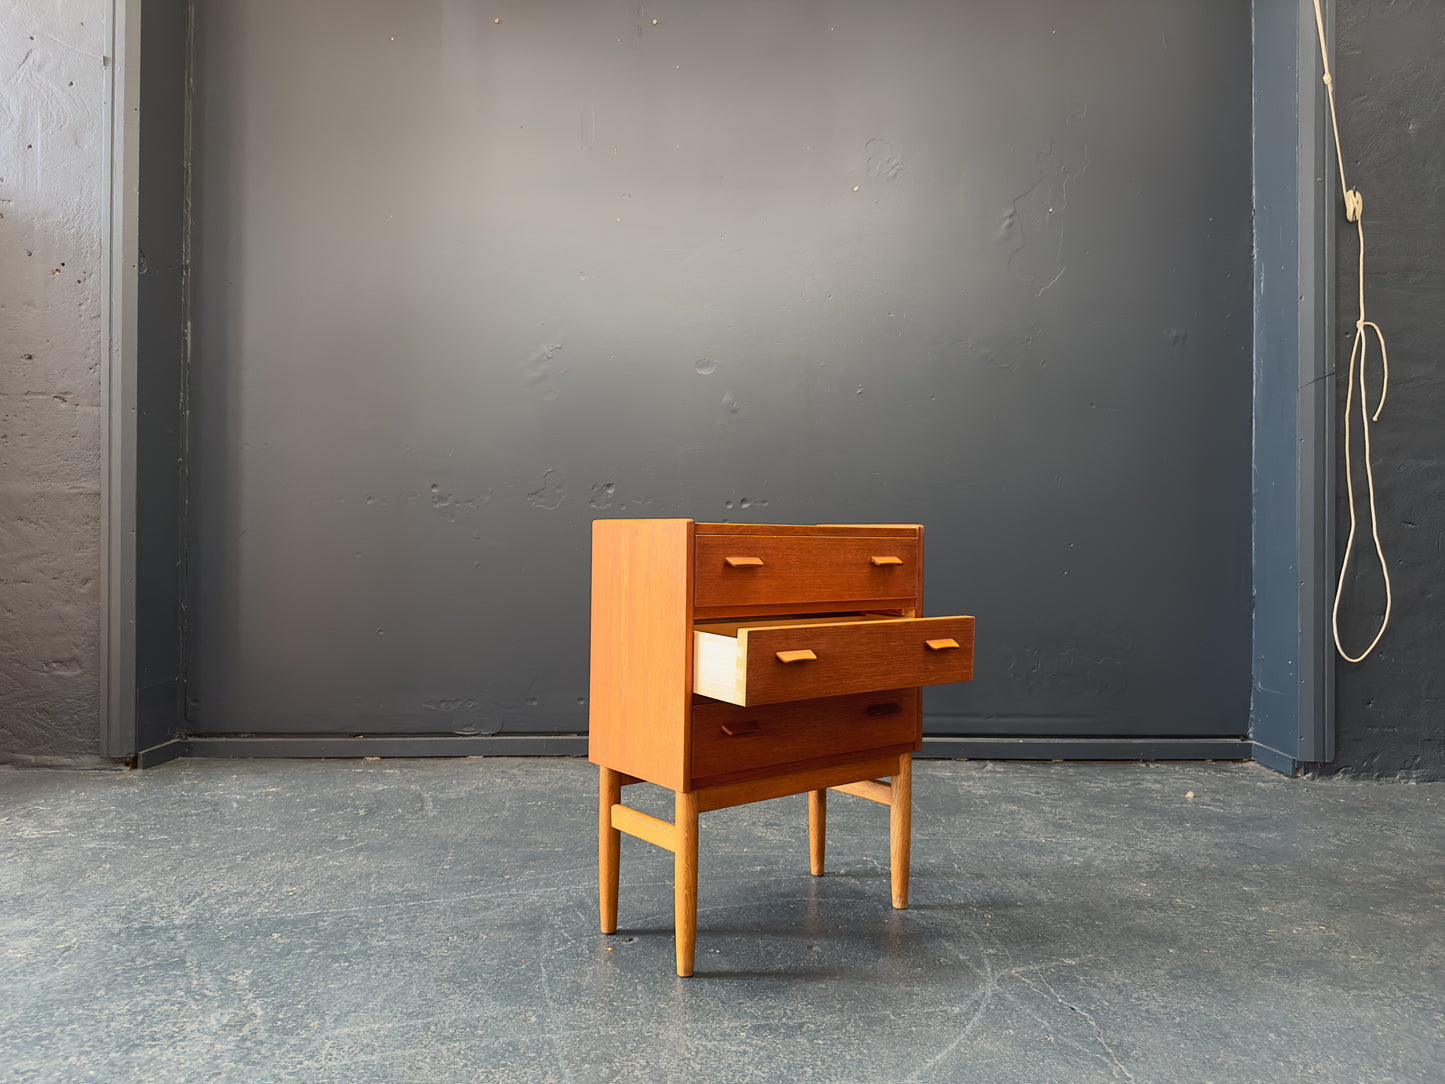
[(465, 285), (160, 371)]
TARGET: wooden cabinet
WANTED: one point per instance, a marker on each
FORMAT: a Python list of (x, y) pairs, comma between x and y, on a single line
[(732, 663)]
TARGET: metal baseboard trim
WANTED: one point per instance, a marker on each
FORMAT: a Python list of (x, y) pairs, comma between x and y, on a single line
[(575, 745), (1086, 748), (1274, 760), (160, 754), (403, 745)]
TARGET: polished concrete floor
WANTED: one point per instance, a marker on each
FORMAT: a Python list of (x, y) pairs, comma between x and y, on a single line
[(414, 920)]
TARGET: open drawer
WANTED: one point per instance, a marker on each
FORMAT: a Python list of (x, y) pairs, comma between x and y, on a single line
[(768, 662)]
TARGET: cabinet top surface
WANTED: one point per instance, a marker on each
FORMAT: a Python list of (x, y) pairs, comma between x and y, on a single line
[(815, 530)]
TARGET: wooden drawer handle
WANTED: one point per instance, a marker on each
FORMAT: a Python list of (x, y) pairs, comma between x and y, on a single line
[(941, 645), (801, 655), (744, 562), (737, 730), (891, 708), (881, 561)]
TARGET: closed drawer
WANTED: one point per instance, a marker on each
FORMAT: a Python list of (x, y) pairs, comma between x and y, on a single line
[(759, 570), (728, 739), (775, 661)]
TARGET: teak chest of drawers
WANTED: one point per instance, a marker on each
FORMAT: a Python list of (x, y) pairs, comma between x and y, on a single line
[(733, 663)]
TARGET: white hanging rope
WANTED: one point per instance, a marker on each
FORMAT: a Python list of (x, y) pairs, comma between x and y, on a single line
[(1355, 212)]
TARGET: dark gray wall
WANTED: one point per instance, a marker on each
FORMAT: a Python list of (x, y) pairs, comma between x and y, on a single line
[(51, 95), (160, 370), (464, 285), (1390, 713)]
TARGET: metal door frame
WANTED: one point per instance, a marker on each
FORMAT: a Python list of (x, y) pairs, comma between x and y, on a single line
[(1296, 199), (120, 211)]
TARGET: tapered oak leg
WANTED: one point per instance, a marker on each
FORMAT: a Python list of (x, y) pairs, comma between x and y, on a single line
[(684, 880), (817, 829), (900, 827), (609, 848)]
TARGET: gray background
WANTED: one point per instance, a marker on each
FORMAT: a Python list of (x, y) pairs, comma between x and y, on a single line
[(1389, 714), (465, 285)]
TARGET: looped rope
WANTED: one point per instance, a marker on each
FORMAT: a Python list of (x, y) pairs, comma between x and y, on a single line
[(1355, 212)]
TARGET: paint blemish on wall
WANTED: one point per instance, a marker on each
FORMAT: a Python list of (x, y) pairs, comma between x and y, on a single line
[(602, 493), (460, 715), (449, 504), (992, 359), (1178, 338), (541, 377), (704, 366), (604, 497), (1068, 667), (730, 407), (1033, 228), (882, 159), (550, 494)]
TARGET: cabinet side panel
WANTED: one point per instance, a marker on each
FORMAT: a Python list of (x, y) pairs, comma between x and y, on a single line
[(918, 583), (918, 612), (641, 648)]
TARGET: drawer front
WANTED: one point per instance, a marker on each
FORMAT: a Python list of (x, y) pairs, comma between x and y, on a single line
[(729, 739), (758, 570), (795, 662)]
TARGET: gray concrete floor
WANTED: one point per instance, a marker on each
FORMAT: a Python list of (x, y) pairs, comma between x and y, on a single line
[(436, 921)]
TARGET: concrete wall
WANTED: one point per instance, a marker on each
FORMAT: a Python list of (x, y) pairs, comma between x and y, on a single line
[(51, 129), (1390, 713)]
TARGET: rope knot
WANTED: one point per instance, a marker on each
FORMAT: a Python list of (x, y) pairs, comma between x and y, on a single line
[(1329, 80), (1354, 205)]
